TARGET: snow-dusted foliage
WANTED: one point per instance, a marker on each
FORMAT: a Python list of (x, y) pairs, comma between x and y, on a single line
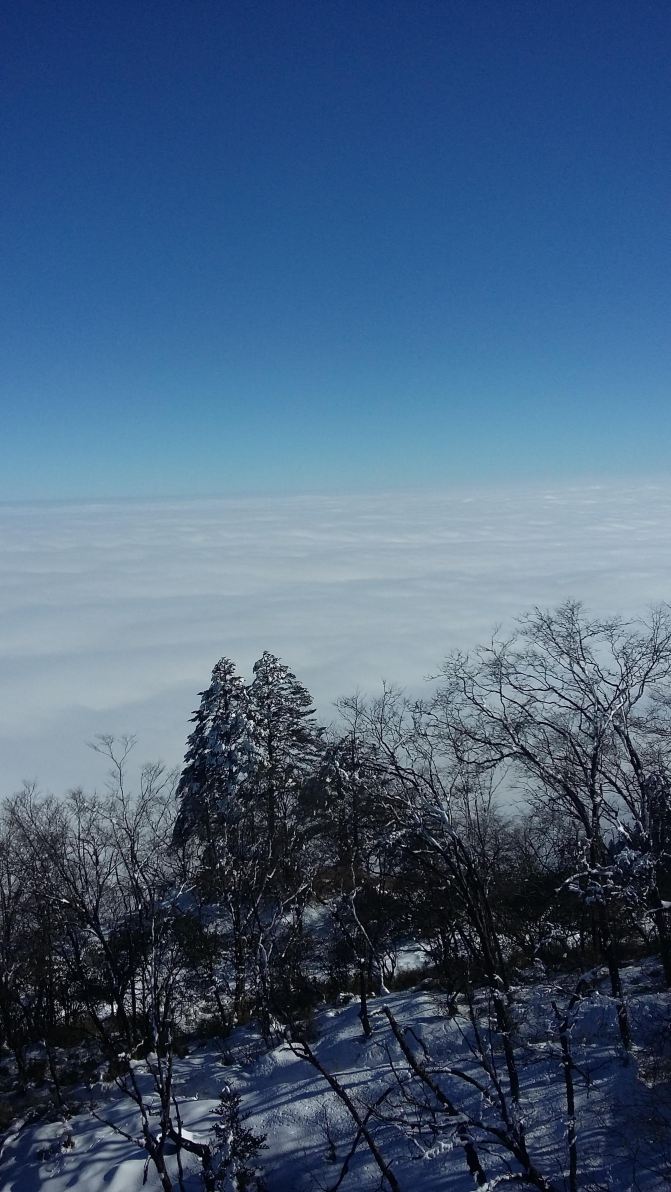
[(222, 757), (289, 743), (241, 792)]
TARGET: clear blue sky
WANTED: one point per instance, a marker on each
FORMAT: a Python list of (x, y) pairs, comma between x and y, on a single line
[(304, 244)]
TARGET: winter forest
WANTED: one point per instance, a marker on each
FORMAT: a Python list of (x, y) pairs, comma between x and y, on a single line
[(427, 947)]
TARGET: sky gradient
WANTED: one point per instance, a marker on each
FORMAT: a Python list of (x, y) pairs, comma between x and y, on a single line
[(279, 247)]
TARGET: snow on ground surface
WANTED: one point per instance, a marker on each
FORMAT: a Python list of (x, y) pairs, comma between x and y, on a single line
[(624, 1106)]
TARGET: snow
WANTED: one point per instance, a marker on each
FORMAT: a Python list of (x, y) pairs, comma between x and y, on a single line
[(623, 1104)]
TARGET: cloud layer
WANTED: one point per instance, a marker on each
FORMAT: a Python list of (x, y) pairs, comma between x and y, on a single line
[(113, 614)]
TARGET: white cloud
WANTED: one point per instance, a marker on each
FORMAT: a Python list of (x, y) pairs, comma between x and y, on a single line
[(113, 614)]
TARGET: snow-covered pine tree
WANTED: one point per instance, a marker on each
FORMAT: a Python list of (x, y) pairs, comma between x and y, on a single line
[(290, 743), (221, 759)]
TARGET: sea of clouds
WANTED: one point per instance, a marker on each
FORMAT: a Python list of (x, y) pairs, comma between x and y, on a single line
[(113, 613)]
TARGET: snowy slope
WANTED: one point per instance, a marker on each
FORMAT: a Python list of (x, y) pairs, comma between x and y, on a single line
[(624, 1106)]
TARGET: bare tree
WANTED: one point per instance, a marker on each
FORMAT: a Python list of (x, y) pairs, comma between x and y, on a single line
[(115, 889), (561, 708)]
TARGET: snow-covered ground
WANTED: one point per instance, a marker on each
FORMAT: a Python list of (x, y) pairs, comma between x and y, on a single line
[(623, 1105)]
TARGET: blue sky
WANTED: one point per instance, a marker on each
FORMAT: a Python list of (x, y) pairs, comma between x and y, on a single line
[(286, 246)]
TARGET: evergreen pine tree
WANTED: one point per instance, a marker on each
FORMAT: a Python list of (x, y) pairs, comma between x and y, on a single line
[(289, 743), (221, 759)]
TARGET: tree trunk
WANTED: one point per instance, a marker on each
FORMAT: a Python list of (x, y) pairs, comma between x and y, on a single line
[(567, 1066), (613, 962), (363, 998)]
